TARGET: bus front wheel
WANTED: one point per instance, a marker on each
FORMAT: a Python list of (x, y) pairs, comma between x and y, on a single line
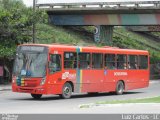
[(66, 91), (120, 88), (36, 96)]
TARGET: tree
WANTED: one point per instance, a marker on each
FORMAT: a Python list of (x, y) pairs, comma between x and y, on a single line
[(16, 22)]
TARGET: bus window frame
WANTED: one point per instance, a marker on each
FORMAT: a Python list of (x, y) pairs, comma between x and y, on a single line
[(102, 61), (147, 62), (115, 62), (63, 62), (90, 60), (121, 62), (137, 62), (49, 61)]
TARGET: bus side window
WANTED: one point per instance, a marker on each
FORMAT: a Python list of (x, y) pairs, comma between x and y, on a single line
[(121, 62), (143, 62), (110, 61), (97, 60), (132, 62), (84, 60), (54, 63), (70, 60)]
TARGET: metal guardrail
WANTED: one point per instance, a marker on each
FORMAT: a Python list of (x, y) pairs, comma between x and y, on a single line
[(136, 4)]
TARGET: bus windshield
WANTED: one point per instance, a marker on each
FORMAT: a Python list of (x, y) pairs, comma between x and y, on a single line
[(30, 64)]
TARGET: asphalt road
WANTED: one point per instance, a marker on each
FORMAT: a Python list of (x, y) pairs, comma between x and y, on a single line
[(23, 103)]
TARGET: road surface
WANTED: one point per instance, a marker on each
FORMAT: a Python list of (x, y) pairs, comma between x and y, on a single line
[(23, 103)]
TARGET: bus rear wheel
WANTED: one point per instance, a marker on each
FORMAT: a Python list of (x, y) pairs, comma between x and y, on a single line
[(119, 88), (36, 96), (66, 91)]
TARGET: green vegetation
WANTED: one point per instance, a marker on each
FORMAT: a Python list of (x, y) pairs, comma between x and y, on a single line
[(16, 22), (156, 34), (82, 36), (51, 34), (144, 100), (48, 34), (126, 39)]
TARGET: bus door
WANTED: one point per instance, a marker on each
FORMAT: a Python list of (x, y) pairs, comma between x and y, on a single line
[(55, 74), (97, 73), (83, 72), (109, 70)]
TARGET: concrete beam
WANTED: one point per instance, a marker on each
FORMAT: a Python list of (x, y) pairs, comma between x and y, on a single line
[(104, 10), (99, 5), (106, 19)]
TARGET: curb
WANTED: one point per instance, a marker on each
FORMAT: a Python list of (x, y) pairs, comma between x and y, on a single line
[(154, 81), (92, 105), (5, 87)]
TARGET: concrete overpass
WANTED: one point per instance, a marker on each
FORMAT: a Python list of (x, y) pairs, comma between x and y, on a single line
[(104, 15)]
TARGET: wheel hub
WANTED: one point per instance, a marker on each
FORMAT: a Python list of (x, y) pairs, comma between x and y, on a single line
[(67, 91)]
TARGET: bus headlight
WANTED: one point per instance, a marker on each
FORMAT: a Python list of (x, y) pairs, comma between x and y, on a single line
[(43, 81), (14, 78), (13, 81)]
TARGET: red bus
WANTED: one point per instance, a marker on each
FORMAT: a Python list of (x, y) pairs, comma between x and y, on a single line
[(62, 69)]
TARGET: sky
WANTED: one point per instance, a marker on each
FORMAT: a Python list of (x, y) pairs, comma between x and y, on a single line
[(30, 2)]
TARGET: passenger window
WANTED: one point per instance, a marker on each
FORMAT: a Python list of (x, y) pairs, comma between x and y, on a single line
[(132, 62), (97, 60), (110, 61), (143, 62), (70, 60), (54, 63), (121, 62), (84, 60)]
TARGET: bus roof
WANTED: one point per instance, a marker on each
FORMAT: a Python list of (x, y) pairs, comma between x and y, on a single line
[(89, 48)]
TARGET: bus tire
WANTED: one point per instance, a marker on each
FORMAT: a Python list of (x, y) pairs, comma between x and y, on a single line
[(119, 88), (66, 91), (36, 96)]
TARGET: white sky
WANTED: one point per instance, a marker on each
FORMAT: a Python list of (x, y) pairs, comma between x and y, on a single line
[(30, 2)]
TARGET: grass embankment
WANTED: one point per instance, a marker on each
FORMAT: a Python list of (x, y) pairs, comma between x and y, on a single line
[(126, 39), (83, 36), (47, 34), (144, 100)]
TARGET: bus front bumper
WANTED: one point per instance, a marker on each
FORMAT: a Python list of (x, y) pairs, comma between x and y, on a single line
[(32, 90)]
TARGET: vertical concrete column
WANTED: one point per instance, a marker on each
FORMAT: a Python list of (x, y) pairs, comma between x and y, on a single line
[(104, 34)]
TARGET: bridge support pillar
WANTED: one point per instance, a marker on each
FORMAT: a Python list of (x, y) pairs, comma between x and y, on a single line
[(104, 34)]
